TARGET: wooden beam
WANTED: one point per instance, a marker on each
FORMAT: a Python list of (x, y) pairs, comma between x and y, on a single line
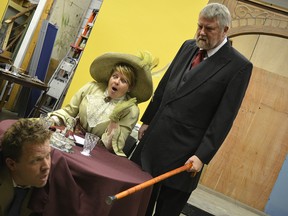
[(15, 6), (16, 89), (7, 36), (33, 41), (11, 19)]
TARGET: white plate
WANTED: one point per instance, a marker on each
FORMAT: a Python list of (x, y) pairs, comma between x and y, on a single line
[(79, 140)]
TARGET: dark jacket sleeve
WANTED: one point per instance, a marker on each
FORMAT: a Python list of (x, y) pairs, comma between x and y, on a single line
[(225, 114), (156, 100)]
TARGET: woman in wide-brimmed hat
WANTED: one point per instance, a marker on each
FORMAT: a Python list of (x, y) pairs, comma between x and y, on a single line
[(107, 106)]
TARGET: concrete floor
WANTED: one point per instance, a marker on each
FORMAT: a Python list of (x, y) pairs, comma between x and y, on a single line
[(5, 114), (219, 205)]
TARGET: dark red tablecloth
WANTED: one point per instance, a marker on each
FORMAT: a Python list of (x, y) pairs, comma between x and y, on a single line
[(79, 185), (5, 124)]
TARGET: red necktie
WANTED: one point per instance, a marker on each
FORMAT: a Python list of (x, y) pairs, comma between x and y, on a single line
[(199, 57)]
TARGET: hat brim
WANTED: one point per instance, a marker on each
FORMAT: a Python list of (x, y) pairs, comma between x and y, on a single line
[(101, 68)]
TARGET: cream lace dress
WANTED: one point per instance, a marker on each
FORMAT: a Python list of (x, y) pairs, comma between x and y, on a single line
[(89, 105)]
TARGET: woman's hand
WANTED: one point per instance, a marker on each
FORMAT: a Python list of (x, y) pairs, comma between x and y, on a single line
[(120, 109), (56, 120)]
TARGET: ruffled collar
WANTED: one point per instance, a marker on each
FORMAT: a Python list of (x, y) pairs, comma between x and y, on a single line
[(107, 98)]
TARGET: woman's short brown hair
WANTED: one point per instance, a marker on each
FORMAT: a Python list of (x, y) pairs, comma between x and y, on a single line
[(128, 71)]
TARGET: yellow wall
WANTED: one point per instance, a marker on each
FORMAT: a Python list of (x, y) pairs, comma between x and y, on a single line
[(129, 26), (3, 7)]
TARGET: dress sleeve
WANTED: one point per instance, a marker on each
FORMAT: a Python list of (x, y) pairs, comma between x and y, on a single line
[(72, 109), (119, 134)]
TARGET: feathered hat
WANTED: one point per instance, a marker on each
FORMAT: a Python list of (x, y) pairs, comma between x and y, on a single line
[(101, 68)]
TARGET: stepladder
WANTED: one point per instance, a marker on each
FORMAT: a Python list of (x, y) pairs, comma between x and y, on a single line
[(58, 84)]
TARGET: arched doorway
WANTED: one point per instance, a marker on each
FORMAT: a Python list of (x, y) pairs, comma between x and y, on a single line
[(247, 165)]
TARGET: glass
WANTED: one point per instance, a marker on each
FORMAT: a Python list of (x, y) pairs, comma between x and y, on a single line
[(15, 70), (89, 143), (69, 129), (59, 141), (46, 120), (7, 67), (62, 139)]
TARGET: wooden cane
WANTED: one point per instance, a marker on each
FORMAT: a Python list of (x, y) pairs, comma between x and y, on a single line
[(111, 199)]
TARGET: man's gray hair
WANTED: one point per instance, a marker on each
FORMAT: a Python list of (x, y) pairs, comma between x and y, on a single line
[(217, 11)]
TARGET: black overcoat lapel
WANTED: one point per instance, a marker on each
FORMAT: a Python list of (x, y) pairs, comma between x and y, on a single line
[(204, 71), (179, 67)]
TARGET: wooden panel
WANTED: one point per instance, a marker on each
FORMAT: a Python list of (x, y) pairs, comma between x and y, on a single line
[(245, 44), (271, 54), (267, 52), (248, 163)]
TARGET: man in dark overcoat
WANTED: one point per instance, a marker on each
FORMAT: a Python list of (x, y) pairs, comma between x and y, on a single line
[(192, 110)]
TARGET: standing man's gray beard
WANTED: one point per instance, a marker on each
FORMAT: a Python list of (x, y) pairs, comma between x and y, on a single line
[(203, 43)]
